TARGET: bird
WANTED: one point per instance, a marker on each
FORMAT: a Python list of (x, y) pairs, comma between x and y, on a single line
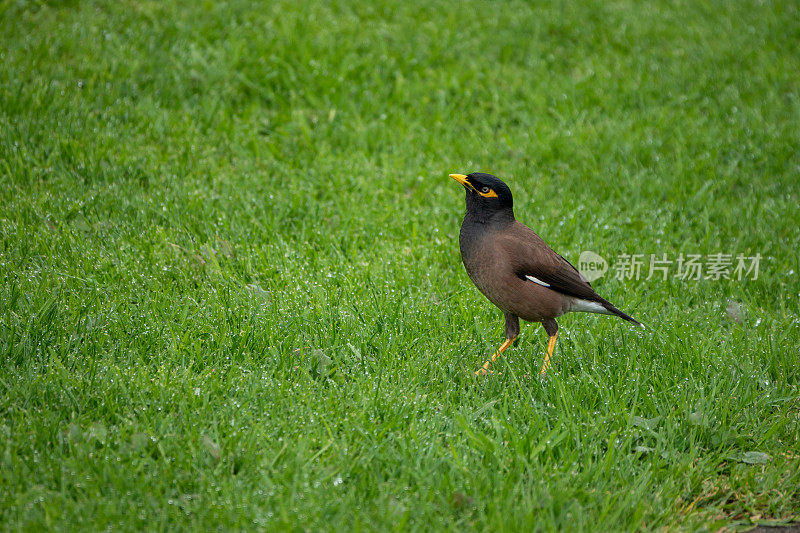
[(516, 270)]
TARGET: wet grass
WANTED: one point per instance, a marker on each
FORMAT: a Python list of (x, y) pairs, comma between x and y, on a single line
[(231, 289)]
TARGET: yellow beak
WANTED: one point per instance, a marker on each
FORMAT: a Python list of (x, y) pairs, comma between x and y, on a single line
[(461, 178)]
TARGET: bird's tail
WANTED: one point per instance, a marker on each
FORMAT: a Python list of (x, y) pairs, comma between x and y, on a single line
[(614, 311)]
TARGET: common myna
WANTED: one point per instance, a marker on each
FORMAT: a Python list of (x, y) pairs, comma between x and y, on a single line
[(514, 268)]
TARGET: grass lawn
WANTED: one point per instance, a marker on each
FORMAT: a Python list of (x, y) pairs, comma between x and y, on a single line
[(232, 296)]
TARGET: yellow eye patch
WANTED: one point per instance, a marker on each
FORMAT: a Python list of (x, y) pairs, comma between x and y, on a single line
[(464, 180)]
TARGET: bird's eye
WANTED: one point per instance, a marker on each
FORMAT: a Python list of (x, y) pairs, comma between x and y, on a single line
[(484, 190)]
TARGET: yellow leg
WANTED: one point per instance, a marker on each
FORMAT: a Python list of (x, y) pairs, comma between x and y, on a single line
[(551, 344), (483, 370)]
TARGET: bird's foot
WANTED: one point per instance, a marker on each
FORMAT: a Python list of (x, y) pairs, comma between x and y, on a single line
[(484, 371), (545, 368)]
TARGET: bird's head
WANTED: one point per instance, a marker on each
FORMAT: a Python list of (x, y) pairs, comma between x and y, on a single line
[(487, 195)]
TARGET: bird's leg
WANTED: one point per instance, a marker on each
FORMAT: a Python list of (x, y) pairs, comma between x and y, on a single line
[(512, 332), (484, 369), (551, 328), (550, 345)]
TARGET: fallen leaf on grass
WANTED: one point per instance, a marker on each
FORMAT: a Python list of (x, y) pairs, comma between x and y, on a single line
[(751, 458), (647, 423), (257, 291), (698, 418), (139, 441), (193, 256), (97, 431), (224, 247), (81, 223), (734, 311), (459, 500), (211, 447)]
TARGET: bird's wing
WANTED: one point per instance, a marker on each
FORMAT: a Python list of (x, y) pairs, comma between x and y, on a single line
[(532, 259)]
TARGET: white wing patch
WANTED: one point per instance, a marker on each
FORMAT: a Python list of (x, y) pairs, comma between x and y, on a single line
[(538, 281)]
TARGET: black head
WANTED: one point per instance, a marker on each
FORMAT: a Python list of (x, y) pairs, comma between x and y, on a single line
[(487, 196)]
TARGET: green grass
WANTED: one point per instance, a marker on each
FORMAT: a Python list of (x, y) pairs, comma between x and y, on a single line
[(231, 290)]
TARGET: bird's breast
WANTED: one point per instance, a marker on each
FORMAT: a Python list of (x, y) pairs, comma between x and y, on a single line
[(484, 264)]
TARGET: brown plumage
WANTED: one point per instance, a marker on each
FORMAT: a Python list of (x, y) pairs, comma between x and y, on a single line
[(515, 269)]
